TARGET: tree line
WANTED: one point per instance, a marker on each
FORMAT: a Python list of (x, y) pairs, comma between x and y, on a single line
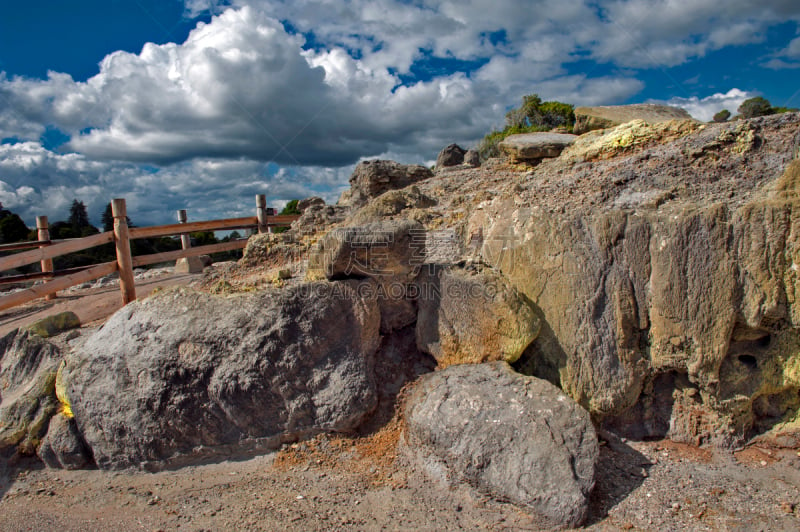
[(77, 225)]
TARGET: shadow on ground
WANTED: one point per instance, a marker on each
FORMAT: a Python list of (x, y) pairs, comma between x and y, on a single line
[(620, 470)]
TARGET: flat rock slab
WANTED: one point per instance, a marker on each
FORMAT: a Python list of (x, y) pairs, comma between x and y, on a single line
[(518, 438), (602, 117), (534, 146)]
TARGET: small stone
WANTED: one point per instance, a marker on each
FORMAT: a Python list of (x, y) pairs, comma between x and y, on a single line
[(56, 324)]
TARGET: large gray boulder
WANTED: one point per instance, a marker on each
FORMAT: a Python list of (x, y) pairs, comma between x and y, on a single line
[(471, 315), (518, 438), (28, 366), (535, 146), (372, 178), (602, 117), (185, 376), (452, 155)]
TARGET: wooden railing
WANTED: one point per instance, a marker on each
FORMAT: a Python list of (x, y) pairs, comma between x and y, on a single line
[(45, 250)]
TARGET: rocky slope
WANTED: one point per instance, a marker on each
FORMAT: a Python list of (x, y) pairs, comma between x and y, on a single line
[(649, 271)]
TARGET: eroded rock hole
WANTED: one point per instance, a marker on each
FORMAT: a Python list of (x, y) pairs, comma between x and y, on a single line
[(749, 361)]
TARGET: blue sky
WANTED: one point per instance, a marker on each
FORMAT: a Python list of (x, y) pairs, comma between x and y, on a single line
[(201, 104)]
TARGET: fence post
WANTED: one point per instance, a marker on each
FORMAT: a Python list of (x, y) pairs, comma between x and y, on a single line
[(44, 234), (261, 213), (186, 242), (123, 245)]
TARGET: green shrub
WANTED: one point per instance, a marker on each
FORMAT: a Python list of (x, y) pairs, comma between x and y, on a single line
[(532, 116), (291, 207), (754, 107), (722, 116)]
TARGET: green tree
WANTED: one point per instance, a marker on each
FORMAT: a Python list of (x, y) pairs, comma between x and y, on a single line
[(78, 217), (13, 229), (107, 219), (722, 116), (536, 115), (291, 207), (754, 107)]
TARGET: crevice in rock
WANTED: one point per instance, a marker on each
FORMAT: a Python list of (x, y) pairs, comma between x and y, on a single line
[(664, 396), (397, 363)]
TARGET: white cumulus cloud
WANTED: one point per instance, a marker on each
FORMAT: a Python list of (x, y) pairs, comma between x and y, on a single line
[(705, 108)]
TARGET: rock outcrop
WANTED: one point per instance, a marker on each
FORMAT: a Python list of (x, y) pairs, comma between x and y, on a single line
[(28, 366), (472, 158), (471, 315), (390, 204), (666, 275), (390, 252), (382, 249), (530, 147), (372, 178), (518, 438), (591, 118), (313, 201), (452, 155), (185, 376)]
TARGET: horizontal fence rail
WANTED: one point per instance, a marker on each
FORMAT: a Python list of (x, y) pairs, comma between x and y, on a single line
[(24, 245), (44, 250), (23, 296), (168, 256), (192, 227), (10, 279), (54, 250)]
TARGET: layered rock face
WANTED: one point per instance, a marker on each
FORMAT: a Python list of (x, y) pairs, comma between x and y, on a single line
[(666, 274)]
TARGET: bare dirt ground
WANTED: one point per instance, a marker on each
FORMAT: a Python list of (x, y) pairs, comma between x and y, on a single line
[(92, 305), (341, 483), (362, 482)]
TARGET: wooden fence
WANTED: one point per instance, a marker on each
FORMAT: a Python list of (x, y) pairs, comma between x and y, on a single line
[(44, 250)]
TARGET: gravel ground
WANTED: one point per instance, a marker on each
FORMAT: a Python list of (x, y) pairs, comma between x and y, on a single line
[(360, 483)]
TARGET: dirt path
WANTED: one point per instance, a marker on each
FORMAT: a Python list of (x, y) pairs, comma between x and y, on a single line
[(334, 483), (91, 304)]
